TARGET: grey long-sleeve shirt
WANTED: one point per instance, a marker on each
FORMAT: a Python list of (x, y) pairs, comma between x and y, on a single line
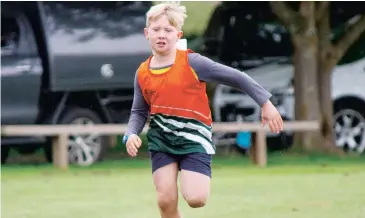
[(207, 70)]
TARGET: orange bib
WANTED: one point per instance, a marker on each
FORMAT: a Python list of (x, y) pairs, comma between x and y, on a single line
[(177, 92)]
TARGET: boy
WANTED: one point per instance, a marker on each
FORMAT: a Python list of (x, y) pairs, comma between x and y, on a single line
[(170, 86)]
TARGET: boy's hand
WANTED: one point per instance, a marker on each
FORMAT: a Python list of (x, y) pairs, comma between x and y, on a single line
[(270, 115), (133, 143)]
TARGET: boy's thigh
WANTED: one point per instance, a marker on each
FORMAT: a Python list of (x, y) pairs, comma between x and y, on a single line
[(195, 176), (165, 172), (197, 162), (162, 159)]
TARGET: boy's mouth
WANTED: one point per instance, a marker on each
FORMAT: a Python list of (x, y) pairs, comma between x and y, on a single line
[(161, 43)]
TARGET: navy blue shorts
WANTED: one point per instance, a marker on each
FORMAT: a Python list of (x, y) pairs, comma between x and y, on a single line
[(196, 162)]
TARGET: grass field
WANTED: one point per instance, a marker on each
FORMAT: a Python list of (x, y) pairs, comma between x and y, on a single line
[(291, 186)]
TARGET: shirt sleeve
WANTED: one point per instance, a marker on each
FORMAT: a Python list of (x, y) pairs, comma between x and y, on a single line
[(208, 70), (139, 112)]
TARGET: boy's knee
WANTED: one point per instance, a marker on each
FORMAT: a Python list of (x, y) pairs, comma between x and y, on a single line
[(196, 201), (166, 201)]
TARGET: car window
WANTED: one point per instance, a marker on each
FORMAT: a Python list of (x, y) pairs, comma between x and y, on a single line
[(111, 19), (10, 35)]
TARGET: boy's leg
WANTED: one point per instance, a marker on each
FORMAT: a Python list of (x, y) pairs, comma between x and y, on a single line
[(165, 171), (195, 178)]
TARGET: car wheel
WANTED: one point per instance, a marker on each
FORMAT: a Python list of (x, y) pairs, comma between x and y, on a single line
[(85, 149), (349, 127)]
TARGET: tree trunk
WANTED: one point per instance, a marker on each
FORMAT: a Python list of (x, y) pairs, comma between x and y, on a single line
[(327, 140), (298, 100), (306, 98), (327, 60), (305, 43), (326, 64)]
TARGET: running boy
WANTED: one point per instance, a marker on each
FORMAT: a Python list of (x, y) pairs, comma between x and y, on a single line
[(170, 86)]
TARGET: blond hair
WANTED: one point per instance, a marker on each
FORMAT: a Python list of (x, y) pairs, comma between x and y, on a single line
[(175, 13)]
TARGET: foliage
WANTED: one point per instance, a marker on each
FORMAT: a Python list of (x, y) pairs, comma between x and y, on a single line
[(198, 13)]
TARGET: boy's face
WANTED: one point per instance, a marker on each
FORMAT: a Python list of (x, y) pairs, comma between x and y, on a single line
[(162, 35)]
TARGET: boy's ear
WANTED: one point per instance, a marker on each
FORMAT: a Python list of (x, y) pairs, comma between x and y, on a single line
[(146, 33), (180, 34)]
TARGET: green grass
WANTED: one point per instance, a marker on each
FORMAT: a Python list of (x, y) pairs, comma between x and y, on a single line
[(291, 186)]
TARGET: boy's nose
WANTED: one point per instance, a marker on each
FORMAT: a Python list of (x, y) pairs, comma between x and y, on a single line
[(161, 36)]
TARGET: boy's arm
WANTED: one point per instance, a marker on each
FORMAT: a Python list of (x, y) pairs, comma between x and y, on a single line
[(139, 112), (210, 71)]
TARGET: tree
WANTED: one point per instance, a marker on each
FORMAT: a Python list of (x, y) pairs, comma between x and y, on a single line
[(315, 56)]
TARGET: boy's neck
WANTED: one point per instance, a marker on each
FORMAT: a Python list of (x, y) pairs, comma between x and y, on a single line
[(164, 59)]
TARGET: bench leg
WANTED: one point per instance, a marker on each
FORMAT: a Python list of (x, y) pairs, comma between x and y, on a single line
[(60, 151), (112, 141), (258, 151), (252, 152)]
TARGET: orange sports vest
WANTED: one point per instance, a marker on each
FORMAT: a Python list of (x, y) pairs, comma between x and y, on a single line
[(177, 92)]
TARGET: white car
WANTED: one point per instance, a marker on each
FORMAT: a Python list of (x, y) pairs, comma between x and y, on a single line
[(348, 94)]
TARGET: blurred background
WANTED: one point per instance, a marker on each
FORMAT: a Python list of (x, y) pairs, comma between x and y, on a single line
[(74, 63)]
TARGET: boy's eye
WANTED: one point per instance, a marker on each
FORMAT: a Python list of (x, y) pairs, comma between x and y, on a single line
[(168, 30), (155, 29)]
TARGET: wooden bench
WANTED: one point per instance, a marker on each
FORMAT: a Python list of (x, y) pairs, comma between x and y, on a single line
[(60, 134)]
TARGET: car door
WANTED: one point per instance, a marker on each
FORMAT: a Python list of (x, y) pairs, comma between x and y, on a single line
[(95, 45), (21, 70)]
